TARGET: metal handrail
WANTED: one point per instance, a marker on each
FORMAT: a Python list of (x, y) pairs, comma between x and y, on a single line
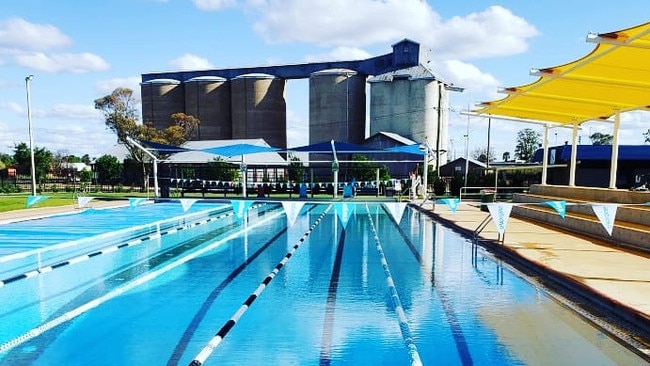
[(495, 190)]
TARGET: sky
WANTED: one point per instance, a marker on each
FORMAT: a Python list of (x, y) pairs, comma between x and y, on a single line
[(79, 51)]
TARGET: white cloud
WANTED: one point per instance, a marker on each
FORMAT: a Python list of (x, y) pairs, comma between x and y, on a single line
[(21, 34), (106, 87), (468, 76), (340, 54), (213, 5), (75, 111), (13, 107), (71, 62), (191, 62)]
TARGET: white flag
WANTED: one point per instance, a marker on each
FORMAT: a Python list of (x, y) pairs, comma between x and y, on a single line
[(187, 203), (396, 210), (292, 209), (500, 213), (83, 201), (606, 213)]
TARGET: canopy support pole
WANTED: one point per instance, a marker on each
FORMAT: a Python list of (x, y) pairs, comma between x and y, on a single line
[(335, 169), (545, 158), (574, 153), (614, 165), (155, 163), (244, 172)]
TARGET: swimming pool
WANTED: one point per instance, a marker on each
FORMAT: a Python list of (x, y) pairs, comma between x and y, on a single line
[(263, 289)]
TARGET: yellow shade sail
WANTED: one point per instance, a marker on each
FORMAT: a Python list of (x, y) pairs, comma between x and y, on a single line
[(615, 76)]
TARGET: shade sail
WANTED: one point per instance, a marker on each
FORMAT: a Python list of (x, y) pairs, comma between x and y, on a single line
[(414, 149), (239, 149), (163, 148), (615, 76), (341, 148)]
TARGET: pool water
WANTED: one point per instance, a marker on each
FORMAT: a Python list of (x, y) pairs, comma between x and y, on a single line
[(367, 291)]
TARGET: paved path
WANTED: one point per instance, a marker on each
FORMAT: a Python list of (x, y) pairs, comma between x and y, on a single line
[(39, 212), (618, 275)]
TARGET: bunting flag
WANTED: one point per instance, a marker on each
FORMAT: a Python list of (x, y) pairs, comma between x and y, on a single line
[(187, 203), (136, 201), (240, 207), (606, 213), (396, 210), (500, 213), (559, 206), (32, 200), (343, 211), (83, 201), (292, 209), (452, 203)]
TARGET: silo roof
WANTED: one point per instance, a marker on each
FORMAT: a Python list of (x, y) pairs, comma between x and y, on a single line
[(206, 78), (162, 81), (419, 72), (335, 72), (256, 75)]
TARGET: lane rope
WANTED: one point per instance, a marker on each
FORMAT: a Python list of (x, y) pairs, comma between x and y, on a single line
[(35, 332), (111, 249), (221, 334), (397, 303)]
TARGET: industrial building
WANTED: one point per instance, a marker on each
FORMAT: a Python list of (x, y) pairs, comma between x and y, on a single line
[(406, 99)]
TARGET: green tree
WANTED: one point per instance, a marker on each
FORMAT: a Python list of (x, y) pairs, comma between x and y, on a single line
[(362, 169), (598, 138), (481, 154), (121, 117), (6, 160), (108, 169), (296, 169), (220, 169), (506, 156), (43, 160), (528, 141)]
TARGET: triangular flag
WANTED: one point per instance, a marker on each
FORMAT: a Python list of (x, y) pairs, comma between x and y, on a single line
[(396, 210), (136, 201), (32, 200), (559, 206), (500, 213), (452, 203), (606, 213), (343, 211), (83, 201), (240, 207), (292, 209), (187, 203)]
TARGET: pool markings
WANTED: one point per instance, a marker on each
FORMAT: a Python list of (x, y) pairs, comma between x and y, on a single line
[(448, 308), (328, 322), (110, 249), (200, 358), (401, 315), (35, 332)]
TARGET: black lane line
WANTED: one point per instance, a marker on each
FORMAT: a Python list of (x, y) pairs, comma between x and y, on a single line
[(181, 346), (328, 322), (452, 319)]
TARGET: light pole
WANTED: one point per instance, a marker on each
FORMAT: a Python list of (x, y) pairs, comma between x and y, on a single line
[(441, 87), (31, 134)]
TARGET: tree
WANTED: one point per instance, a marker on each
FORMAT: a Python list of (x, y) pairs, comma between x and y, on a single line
[(43, 160), (220, 169), (598, 138), (6, 160), (108, 169), (506, 156), (296, 169), (121, 117), (480, 154), (362, 169), (527, 143)]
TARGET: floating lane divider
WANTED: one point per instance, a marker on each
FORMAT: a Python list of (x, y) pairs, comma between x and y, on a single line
[(35, 332), (110, 249), (397, 303), (221, 334)]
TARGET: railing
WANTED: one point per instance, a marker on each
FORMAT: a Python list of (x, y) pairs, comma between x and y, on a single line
[(500, 193)]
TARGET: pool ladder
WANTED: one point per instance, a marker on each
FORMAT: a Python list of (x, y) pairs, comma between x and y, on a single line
[(481, 227)]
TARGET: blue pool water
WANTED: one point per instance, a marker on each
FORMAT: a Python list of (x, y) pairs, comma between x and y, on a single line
[(365, 292)]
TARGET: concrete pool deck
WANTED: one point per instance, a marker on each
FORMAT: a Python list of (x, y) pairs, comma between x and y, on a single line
[(612, 278), (40, 212)]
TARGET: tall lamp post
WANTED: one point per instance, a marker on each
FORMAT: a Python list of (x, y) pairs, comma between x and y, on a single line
[(441, 87), (31, 134)]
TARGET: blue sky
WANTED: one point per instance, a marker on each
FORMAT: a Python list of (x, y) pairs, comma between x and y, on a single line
[(79, 51)]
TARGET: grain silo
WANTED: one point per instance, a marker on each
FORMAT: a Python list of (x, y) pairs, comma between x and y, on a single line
[(208, 99), (160, 99), (406, 102), (337, 106), (259, 109)]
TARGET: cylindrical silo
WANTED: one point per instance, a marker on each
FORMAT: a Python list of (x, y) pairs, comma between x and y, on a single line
[(160, 99), (208, 99), (259, 109), (337, 106), (408, 106)]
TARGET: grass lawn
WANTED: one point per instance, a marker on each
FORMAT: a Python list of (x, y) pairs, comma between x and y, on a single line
[(11, 202)]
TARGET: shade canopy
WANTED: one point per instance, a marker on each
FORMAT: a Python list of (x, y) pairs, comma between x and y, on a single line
[(614, 77), (341, 148), (239, 149)]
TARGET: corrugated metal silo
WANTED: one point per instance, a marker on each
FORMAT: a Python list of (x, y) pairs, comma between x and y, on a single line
[(259, 109), (337, 106), (208, 99), (406, 102), (160, 99)]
